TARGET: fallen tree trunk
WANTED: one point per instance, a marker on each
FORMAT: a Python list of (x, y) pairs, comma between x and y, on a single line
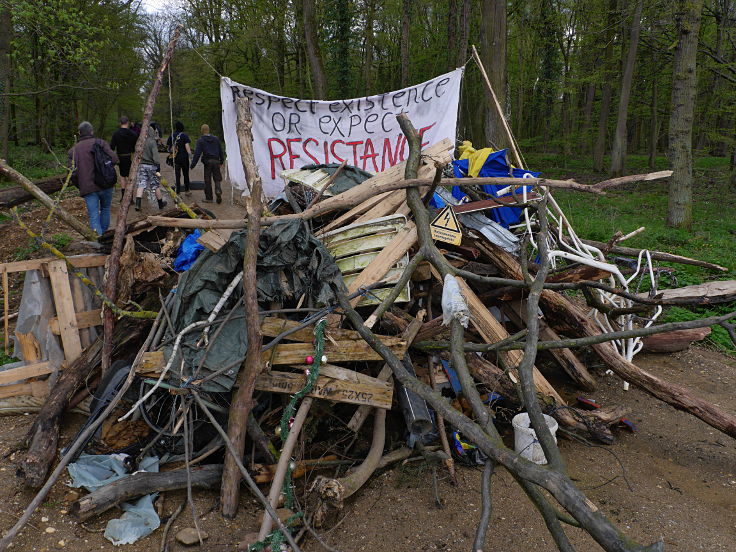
[(671, 342), (560, 311), (17, 195), (47, 202), (43, 436), (143, 483)]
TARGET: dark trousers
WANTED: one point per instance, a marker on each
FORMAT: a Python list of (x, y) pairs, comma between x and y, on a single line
[(180, 170), (212, 172)]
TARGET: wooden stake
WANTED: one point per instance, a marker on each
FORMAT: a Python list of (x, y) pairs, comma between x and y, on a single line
[(246, 381), (509, 135), (113, 267)]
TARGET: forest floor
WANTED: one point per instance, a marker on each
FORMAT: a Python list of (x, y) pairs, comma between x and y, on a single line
[(674, 479)]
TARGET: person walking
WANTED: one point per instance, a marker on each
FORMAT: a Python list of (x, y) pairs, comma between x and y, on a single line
[(178, 146), (81, 161), (123, 143), (210, 150), (148, 171)]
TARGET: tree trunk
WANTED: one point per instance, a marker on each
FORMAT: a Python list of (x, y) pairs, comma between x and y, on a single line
[(462, 43), (600, 143), (405, 22), (654, 128), (6, 32), (493, 54), (684, 81), (313, 51), (368, 46), (618, 152), (451, 34)]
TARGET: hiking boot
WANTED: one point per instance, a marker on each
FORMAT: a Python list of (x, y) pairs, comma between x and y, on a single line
[(219, 198), (161, 204), (138, 203)]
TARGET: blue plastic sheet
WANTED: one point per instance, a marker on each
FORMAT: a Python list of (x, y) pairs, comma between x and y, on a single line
[(495, 166), (188, 252)]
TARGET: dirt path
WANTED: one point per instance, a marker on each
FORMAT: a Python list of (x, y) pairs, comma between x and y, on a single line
[(679, 484)]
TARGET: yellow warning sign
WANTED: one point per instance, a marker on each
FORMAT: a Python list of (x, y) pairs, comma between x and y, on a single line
[(445, 227)]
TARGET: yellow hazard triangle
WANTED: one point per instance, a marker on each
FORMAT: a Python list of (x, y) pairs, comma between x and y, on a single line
[(445, 227)]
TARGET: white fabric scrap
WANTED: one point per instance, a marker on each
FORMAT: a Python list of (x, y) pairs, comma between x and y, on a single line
[(453, 303)]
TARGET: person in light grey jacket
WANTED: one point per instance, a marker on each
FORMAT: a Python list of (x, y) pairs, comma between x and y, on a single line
[(149, 171)]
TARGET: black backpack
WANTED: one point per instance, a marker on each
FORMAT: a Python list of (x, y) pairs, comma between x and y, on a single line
[(104, 168)]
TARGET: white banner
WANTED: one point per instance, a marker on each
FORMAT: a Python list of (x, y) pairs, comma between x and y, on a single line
[(290, 133)]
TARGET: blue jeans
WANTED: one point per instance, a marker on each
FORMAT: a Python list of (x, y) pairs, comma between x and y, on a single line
[(98, 209)]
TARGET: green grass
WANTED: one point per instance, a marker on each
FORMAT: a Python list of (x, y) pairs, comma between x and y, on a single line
[(33, 163), (59, 241), (712, 237), (5, 359)]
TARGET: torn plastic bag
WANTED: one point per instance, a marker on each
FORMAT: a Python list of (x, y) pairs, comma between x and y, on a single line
[(93, 471), (453, 303), (140, 519), (189, 250)]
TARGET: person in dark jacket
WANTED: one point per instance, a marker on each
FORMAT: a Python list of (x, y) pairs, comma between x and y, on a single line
[(210, 150), (178, 146), (123, 143), (149, 171), (80, 158)]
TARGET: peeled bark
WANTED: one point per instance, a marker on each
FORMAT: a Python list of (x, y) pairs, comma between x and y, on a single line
[(684, 81)]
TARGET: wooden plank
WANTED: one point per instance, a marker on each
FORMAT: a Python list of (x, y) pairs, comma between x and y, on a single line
[(24, 372), (516, 311), (30, 350), (86, 319), (492, 331), (385, 207), (272, 326), (709, 293), (360, 415), (34, 388), (151, 362), (346, 217), (338, 351), (78, 261), (212, 240), (376, 393), (65, 310), (385, 260), (6, 290)]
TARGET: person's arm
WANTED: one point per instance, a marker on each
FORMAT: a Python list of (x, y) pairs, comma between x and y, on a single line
[(197, 153), (222, 154), (114, 141), (170, 144), (108, 151)]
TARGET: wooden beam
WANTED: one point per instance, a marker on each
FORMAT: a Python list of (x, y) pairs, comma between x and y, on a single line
[(65, 310), (338, 351), (86, 319), (78, 261), (374, 393), (272, 327), (24, 372), (213, 240), (34, 388)]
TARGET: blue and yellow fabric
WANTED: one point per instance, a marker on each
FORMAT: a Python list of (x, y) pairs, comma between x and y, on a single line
[(487, 163)]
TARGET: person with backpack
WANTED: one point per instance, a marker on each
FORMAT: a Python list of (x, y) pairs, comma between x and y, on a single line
[(123, 143), (149, 171), (92, 163), (209, 148), (179, 150)]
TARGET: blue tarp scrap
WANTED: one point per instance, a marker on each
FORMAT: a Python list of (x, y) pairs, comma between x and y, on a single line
[(495, 166), (188, 252)]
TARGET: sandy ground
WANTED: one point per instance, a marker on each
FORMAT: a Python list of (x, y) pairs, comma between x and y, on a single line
[(674, 479)]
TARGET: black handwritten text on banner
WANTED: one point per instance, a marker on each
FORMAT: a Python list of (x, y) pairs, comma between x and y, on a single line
[(290, 133)]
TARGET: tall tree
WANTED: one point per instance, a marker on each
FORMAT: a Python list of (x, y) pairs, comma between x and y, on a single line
[(314, 55), (462, 42), (600, 142), (493, 56), (405, 24), (618, 151), (5, 69), (451, 34), (684, 80)]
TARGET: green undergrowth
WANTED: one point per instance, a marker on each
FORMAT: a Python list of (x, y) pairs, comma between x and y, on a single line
[(6, 359), (33, 163), (712, 237)]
